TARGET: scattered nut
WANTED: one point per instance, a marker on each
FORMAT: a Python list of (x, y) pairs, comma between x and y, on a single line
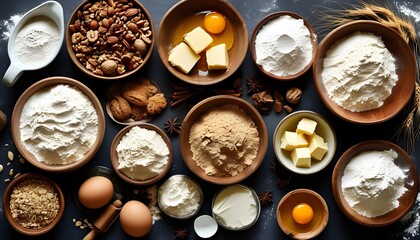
[(288, 109), (262, 100), (1, 168), (11, 172), (10, 155), (293, 95)]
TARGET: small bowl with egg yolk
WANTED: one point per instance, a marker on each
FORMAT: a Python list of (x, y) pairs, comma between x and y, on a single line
[(302, 214)]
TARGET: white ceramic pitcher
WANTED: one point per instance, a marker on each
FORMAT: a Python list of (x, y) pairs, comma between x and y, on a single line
[(54, 11)]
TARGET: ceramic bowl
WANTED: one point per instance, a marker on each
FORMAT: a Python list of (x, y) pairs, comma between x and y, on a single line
[(114, 155), (7, 211), (16, 132), (406, 201), (261, 24), (406, 71), (113, 13), (195, 114), (323, 129), (181, 13), (302, 231)]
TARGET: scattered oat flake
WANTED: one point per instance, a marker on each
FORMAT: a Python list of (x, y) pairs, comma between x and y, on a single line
[(6, 180), (11, 172), (17, 175), (1, 168), (21, 160), (6, 145)]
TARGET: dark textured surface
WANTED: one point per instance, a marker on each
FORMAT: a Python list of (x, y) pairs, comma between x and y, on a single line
[(339, 226)]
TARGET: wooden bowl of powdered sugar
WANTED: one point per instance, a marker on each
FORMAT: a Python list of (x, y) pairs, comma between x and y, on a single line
[(364, 72), (223, 139), (375, 183)]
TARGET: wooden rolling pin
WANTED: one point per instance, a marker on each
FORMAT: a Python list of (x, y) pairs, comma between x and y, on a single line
[(105, 220)]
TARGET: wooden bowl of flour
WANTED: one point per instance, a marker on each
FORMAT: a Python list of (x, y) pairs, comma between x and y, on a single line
[(195, 114), (411, 182), (286, 44), (115, 159), (406, 71), (42, 134)]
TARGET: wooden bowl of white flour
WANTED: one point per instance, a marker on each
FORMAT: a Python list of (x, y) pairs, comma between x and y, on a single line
[(375, 183), (364, 72)]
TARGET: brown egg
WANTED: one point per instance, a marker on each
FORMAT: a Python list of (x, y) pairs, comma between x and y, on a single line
[(135, 218), (96, 192)]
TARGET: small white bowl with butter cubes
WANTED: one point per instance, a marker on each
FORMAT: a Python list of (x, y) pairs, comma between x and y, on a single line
[(304, 142)]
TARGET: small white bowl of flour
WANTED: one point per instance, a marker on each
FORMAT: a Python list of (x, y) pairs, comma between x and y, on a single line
[(283, 45)]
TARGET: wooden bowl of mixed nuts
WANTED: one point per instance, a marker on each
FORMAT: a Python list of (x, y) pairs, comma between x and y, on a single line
[(110, 39), (33, 204)]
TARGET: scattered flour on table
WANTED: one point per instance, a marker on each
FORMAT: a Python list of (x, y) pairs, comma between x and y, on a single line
[(411, 221), (359, 72), (7, 26)]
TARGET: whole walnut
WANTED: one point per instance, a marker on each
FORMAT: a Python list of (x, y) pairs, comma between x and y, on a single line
[(120, 108), (156, 104)]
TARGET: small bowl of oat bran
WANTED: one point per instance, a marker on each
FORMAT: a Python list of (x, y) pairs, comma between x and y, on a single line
[(33, 204), (110, 40)]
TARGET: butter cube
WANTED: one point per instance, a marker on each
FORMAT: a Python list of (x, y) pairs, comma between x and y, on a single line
[(317, 147), (217, 57), (301, 140), (183, 57), (288, 141), (301, 157), (306, 126), (198, 39)]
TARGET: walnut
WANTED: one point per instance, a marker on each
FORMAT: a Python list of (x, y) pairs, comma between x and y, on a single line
[(120, 108), (3, 121), (293, 95), (109, 67), (156, 104)]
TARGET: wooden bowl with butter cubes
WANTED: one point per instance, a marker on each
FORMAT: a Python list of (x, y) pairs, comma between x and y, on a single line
[(202, 42), (304, 142)]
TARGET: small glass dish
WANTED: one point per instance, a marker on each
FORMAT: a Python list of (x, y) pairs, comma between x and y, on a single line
[(185, 179), (223, 196)]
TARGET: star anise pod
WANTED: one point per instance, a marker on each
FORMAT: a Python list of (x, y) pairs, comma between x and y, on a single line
[(172, 126), (181, 233), (265, 198), (254, 85)]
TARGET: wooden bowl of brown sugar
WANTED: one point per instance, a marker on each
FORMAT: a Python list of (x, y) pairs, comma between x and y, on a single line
[(227, 128), (43, 206)]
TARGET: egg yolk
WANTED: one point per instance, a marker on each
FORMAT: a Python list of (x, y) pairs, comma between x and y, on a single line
[(214, 22), (302, 213)]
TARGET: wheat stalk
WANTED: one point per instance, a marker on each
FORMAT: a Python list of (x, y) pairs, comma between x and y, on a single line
[(410, 128)]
